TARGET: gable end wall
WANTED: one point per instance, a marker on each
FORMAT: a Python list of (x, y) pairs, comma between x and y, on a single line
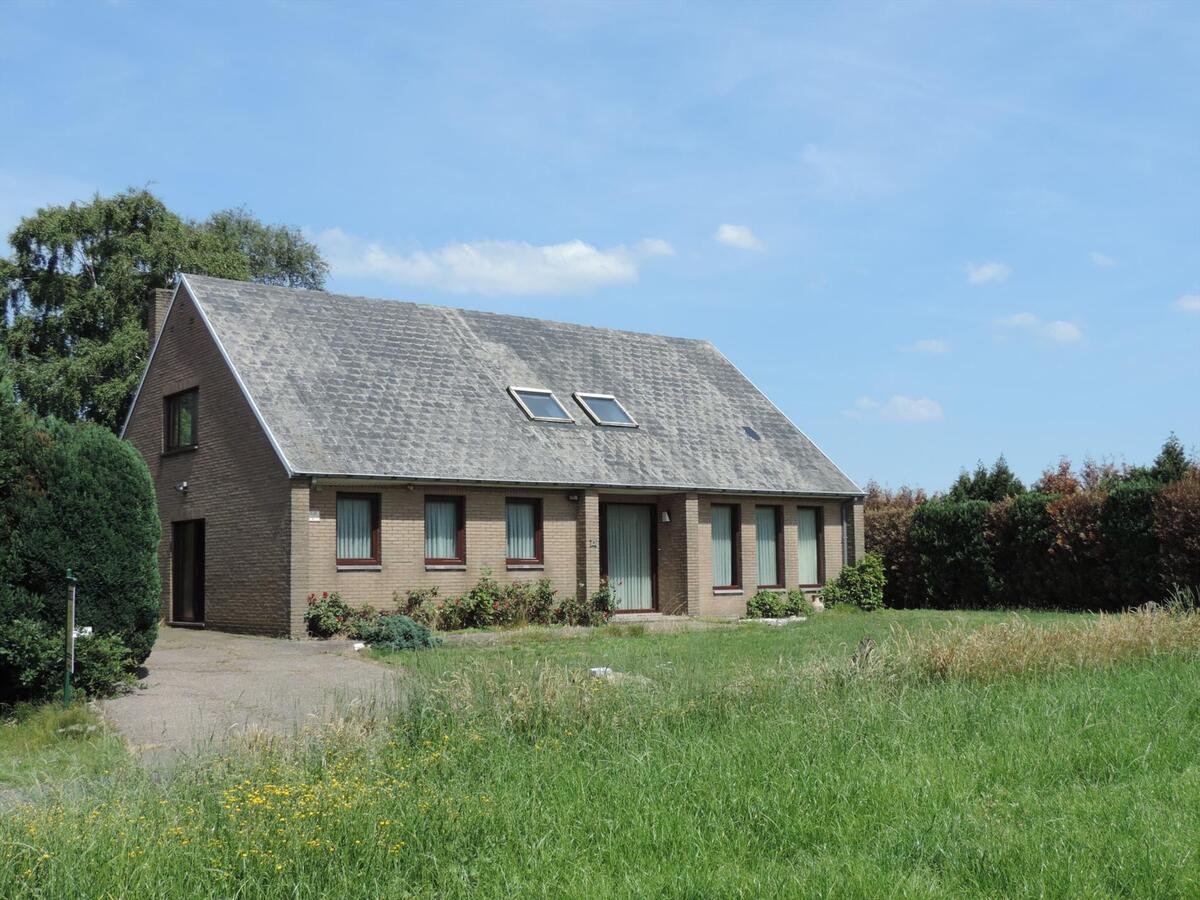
[(236, 482)]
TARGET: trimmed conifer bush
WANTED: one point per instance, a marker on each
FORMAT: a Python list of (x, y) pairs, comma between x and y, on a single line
[(88, 505), (72, 497)]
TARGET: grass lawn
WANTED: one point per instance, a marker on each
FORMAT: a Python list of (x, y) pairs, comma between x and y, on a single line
[(750, 761), (52, 745)]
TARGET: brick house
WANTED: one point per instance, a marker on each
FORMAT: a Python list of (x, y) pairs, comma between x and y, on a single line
[(301, 441)]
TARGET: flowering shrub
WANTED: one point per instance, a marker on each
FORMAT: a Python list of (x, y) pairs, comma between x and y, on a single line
[(488, 604), (327, 614), (361, 621), (539, 603), (594, 610)]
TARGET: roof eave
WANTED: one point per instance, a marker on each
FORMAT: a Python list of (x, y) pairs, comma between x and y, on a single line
[(578, 486)]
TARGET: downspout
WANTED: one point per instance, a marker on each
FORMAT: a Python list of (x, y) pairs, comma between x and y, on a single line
[(845, 538)]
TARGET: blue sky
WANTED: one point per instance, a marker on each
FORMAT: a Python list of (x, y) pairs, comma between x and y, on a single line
[(930, 232)]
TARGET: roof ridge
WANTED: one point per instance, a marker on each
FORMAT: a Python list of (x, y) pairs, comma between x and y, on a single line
[(441, 307)]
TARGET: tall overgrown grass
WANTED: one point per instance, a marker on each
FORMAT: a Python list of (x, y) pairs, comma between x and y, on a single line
[(1021, 647), (733, 762)]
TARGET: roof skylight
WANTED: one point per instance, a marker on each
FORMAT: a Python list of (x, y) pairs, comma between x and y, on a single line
[(605, 409), (540, 405)]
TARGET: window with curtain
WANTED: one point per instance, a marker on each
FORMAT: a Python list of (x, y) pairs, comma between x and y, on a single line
[(770, 572), (444, 534), (523, 530), (808, 533), (725, 546), (358, 529), (179, 420)]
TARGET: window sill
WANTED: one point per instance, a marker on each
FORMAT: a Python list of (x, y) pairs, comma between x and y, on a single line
[(365, 567), (179, 451), (525, 567), (445, 567), (773, 588), (729, 591)]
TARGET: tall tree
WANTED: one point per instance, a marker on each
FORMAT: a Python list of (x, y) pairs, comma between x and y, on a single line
[(1171, 464), (993, 485), (80, 284)]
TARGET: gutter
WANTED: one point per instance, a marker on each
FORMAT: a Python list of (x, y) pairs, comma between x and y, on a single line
[(339, 478)]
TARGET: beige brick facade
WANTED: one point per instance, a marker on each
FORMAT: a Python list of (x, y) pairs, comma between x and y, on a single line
[(271, 539), (402, 542)]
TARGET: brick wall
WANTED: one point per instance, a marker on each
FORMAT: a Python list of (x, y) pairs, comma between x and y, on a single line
[(713, 602), (402, 543), (235, 482)]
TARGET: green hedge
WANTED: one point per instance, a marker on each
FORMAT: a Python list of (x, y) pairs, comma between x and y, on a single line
[(952, 555), (1101, 550)]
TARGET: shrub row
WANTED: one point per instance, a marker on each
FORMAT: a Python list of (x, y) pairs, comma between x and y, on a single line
[(1104, 549), (778, 605), (488, 604)]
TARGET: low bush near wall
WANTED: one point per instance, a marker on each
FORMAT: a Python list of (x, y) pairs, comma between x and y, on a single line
[(488, 604), (860, 585), (594, 610), (778, 605), (767, 605), (395, 633)]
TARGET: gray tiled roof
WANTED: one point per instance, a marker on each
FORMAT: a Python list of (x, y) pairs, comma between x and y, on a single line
[(350, 386)]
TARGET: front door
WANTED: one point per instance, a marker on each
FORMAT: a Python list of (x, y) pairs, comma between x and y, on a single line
[(628, 555), (187, 579)]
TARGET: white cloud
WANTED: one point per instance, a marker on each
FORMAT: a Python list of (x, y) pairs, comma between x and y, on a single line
[(655, 247), (1188, 303), (738, 236), (987, 273), (1063, 332), (1100, 261), (1058, 330), (491, 266), (898, 408), (929, 345)]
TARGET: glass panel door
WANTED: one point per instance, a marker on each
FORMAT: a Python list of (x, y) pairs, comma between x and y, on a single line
[(629, 534)]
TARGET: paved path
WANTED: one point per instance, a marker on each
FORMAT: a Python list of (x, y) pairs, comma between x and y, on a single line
[(205, 687)]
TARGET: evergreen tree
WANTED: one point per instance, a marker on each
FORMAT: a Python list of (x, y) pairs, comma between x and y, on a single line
[(1171, 464), (983, 484)]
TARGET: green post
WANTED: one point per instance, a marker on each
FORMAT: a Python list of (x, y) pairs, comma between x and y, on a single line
[(70, 654)]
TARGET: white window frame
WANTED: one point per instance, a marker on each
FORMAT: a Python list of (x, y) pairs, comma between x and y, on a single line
[(582, 399), (515, 393)]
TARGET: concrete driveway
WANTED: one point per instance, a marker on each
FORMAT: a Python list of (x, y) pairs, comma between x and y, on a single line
[(206, 687)]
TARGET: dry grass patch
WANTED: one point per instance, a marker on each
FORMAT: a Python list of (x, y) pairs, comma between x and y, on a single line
[(1020, 647)]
